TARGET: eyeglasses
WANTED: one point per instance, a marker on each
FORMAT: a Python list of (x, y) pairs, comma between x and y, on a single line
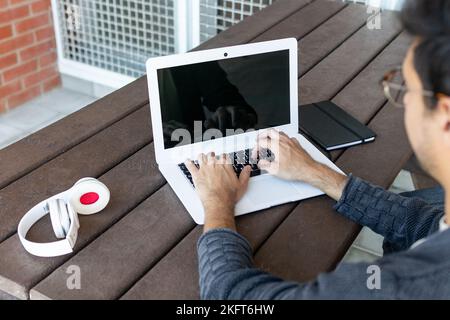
[(395, 91)]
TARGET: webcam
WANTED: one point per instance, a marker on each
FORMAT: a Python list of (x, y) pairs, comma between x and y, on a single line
[(225, 54)]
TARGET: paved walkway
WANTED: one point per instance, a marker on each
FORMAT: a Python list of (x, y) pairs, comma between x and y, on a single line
[(38, 113)]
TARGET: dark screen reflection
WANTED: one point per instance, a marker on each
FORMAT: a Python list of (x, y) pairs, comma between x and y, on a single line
[(244, 93)]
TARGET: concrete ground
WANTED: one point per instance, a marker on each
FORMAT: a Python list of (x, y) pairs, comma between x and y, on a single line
[(40, 112)]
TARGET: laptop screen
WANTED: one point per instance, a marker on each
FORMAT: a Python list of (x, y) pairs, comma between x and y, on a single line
[(214, 99)]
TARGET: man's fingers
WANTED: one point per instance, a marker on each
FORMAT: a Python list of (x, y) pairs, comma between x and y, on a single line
[(201, 159), (296, 141), (255, 152), (211, 158), (244, 177), (270, 133), (191, 167), (263, 141), (228, 159), (266, 143), (222, 159), (266, 165), (283, 134)]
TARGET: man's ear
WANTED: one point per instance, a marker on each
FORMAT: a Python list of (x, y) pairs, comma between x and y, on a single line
[(443, 107)]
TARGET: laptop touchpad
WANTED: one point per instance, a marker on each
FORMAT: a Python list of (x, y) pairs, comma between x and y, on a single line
[(271, 190)]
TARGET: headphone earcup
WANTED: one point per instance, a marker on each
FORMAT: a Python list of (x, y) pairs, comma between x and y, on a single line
[(89, 196), (85, 179), (55, 217)]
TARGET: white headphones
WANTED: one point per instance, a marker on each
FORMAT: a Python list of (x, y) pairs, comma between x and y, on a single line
[(87, 196)]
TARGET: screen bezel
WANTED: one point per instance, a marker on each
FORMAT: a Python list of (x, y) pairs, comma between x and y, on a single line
[(226, 144)]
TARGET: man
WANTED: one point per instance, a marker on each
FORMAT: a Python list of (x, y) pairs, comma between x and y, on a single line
[(415, 226)]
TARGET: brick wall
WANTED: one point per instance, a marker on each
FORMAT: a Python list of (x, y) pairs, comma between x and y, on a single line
[(27, 51)]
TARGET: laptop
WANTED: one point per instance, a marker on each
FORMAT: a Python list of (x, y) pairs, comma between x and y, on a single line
[(219, 100)]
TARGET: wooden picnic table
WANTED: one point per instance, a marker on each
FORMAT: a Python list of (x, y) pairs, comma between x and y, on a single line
[(143, 245)]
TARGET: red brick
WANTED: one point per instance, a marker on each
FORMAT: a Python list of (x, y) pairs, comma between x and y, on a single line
[(51, 83), (14, 13), (2, 106), (20, 70), (14, 2), (24, 96), (8, 61), (32, 23), (47, 59), (39, 76), (5, 32), (3, 3), (16, 43), (45, 33), (36, 50), (41, 5), (10, 88), (7, 46)]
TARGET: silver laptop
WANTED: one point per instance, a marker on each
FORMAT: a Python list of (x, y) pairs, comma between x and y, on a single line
[(219, 100)]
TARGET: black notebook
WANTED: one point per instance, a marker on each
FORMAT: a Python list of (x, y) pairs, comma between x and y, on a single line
[(331, 127)]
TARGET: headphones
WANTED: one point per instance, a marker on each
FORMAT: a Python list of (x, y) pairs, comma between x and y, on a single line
[(87, 196)]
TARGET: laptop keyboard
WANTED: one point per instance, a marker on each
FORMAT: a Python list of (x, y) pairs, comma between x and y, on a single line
[(240, 160)]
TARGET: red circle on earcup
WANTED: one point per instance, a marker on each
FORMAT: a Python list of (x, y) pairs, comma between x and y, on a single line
[(89, 198)]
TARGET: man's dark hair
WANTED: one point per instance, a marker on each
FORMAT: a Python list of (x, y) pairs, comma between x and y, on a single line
[(429, 20)]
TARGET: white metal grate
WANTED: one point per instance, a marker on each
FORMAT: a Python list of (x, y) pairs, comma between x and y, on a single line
[(218, 15), (108, 41), (386, 4), (117, 35)]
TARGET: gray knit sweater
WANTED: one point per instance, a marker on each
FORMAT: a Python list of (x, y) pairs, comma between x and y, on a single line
[(227, 270)]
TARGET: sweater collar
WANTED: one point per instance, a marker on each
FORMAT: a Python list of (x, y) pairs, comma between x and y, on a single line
[(442, 225)]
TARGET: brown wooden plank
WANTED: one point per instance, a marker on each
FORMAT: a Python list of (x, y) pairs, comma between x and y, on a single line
[(165, 281), (313, 237), (254, 25), (364, 104), (303, 21), (57, 138), (318, 44), (170, 272), (372, 99), (130, 183), (90, 158), (331, 26), (358, 51)]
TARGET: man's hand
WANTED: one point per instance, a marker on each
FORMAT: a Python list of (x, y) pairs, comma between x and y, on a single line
[(219, 188), (292, 162)]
